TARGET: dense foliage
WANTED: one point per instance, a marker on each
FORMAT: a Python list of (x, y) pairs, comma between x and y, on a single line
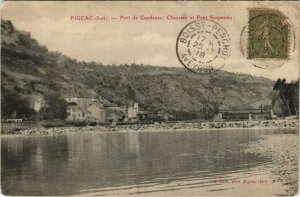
[(14, 106), (55, 107), (285, 98)]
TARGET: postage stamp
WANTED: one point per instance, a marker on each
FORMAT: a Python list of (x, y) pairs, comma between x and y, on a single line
[(268, 34), (203, 46)]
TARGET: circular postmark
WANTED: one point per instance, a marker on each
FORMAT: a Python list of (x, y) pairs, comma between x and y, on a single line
[(203, 46), (266, 40)]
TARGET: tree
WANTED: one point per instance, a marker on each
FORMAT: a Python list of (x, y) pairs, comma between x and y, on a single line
[(131, 95), (14, 106), (285, 99), (55, 107)]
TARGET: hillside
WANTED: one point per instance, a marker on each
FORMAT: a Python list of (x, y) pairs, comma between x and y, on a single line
[(30, 70)]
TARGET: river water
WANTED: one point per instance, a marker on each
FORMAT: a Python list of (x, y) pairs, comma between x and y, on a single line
[(127, 162)]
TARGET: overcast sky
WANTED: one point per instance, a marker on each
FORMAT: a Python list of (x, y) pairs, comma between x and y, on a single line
[(152, 42)]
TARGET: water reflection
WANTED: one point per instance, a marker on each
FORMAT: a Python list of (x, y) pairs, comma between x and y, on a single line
[(66, 165)]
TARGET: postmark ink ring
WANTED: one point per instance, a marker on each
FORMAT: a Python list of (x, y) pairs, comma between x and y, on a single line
[(203, 46)]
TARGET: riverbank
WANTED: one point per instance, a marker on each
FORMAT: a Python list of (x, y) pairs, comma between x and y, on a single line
[(176, 126), (198, 187), (283, 149)]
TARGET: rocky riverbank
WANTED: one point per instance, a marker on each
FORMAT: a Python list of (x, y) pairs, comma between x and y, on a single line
[(157, 127), (283, 149)]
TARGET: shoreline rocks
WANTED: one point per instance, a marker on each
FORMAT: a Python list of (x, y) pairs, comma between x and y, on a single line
[(283, 149), (170, 126)]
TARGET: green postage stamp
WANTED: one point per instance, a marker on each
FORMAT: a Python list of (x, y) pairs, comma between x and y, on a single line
[(268, 34)]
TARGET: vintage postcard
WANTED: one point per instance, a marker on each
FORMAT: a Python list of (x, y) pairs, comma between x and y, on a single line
[(149, 98)]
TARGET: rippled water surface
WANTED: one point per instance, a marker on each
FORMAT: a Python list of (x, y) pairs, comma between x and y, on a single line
[(103, 162)]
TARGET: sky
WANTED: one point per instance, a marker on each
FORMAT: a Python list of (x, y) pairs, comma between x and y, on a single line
[(120, 41)]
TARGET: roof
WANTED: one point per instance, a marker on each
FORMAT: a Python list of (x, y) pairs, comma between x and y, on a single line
[(76, 108), (242, 111), (110, 105), (117, 112), (72, 104), (143, 112), (99, 105), (161, 112)]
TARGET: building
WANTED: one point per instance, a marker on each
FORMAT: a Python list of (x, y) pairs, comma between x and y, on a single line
[(143, 115), (96, 99), (97, 113), (112, 106), (114, 113), (112, 117), (81, 102), (133, 110), (163, 115), (95, 110), (12, 120), (75, 113), (38, 104)]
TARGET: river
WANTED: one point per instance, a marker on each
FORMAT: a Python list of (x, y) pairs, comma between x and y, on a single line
[(131, 163)]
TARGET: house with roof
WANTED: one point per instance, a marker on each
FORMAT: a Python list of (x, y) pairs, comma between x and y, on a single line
[(115, 113), (97, 113), (95, 109), (143, 115), (75, 113)]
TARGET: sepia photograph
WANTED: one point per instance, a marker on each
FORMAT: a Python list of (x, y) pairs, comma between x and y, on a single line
[(171, 98)]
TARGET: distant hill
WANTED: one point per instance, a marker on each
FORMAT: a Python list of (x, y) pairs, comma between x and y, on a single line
[(30, 70)]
